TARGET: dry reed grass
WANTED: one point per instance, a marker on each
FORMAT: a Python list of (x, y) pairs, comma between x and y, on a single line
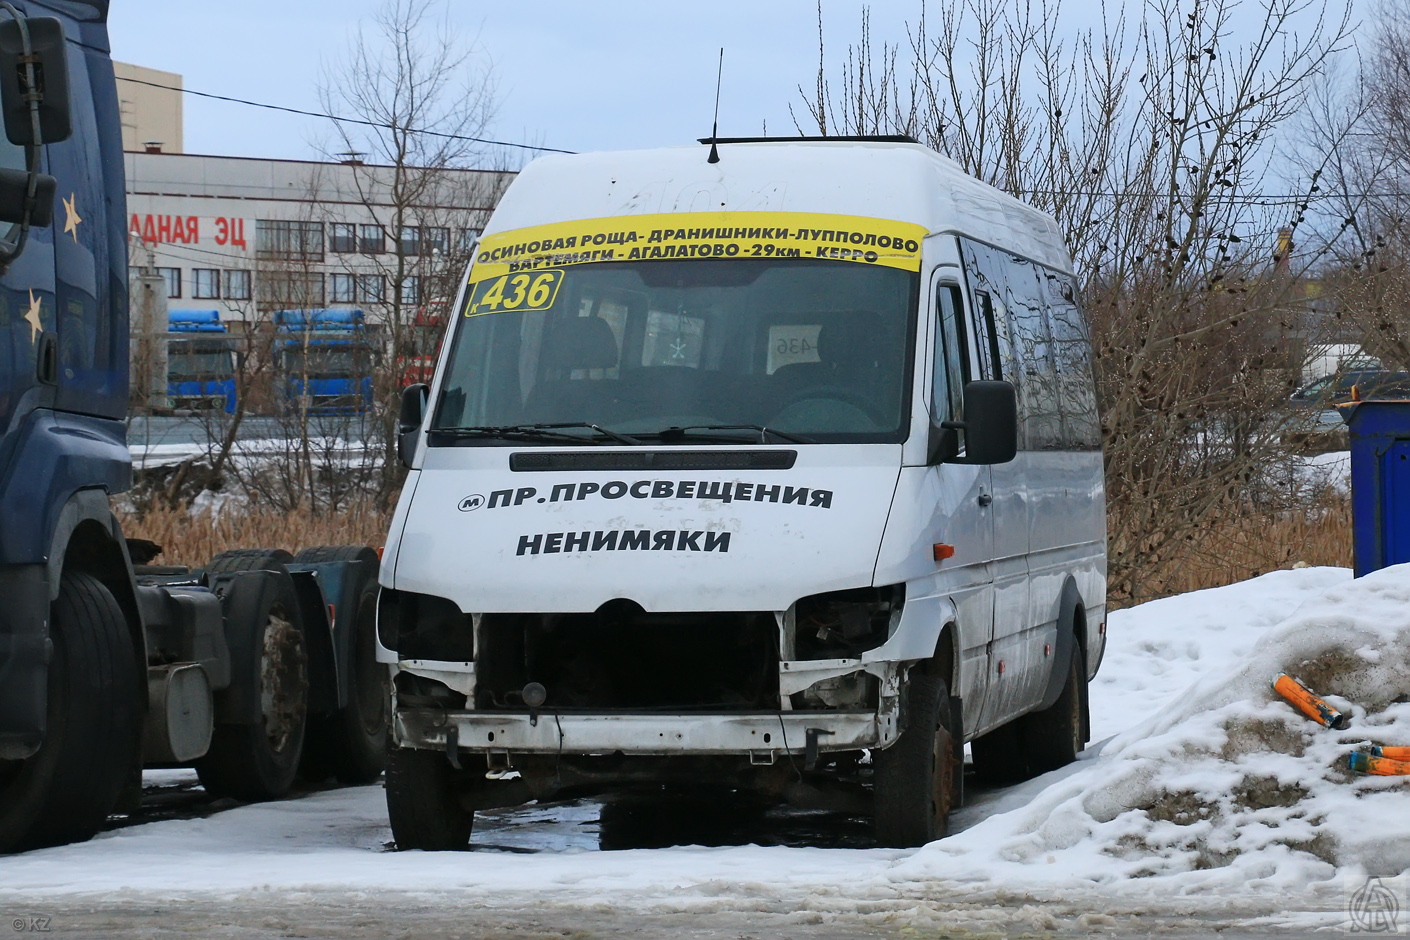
[(1236, 548), (188, 540)]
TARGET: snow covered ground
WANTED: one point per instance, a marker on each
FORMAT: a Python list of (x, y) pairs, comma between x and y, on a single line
[(1204, 795)]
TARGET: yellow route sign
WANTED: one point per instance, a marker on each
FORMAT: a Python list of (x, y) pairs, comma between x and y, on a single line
[(698, 235)]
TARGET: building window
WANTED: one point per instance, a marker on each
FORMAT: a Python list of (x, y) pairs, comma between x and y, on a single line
[(173, 280), (411, 289), (342, 288), (205, 283), (285, 238), (342, 238), (290, 290), (467, 238), (410, 241), (237, 285), (434, 239), (371, 239), (371, 288)]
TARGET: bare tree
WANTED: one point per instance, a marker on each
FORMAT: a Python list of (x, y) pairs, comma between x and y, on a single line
[(1368, 280), (422, 98), (1152, 143)]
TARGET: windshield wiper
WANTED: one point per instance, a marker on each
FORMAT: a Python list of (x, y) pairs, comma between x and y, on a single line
[(541, 431), (676, 433)]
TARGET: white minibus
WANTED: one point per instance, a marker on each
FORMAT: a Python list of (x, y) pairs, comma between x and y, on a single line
[(772, 470)]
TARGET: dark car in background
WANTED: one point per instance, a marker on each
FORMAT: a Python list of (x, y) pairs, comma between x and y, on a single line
[(1369, 383)]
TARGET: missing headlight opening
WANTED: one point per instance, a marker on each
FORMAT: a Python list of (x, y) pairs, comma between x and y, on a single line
[(423, 626), (845, 624), (842, 625)]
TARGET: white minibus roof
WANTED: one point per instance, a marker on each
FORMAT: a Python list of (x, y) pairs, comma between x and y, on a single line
[(905, 182)]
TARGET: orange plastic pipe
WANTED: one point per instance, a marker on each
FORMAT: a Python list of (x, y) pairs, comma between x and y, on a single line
[(1303, 699), (1371, 764), (1394, 753)]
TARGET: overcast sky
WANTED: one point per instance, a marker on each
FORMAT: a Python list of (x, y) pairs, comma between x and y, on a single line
[(572, 74)]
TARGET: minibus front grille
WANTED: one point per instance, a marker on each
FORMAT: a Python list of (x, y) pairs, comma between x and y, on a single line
[(625, 658)]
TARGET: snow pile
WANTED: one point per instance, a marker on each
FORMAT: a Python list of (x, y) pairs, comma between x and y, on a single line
[(1227, 786), (1157, 650)]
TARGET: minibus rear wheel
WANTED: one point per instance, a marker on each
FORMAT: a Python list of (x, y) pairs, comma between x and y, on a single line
[(916, 780), (1056, 735)]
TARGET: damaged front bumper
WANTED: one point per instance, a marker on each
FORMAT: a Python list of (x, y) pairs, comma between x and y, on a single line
[(761, 737)]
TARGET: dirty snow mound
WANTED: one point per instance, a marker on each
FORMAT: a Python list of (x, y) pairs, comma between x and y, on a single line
[(1156, 650), (1228, 786)]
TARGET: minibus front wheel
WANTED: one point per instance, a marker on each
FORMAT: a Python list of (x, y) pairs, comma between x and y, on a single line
[(916, 780)]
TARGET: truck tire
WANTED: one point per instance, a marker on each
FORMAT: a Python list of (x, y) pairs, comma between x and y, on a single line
[(915, 780), (424, 801), (65, 791), (258, 761), (1055, 736), (351, 744), (248, 559)]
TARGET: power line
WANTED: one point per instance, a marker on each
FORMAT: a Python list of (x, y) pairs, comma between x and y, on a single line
[(334, 117), (1261, 200)]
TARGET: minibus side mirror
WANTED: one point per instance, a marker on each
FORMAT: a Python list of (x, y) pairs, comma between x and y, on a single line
[(51, 80), (990, 426), (412, 413)]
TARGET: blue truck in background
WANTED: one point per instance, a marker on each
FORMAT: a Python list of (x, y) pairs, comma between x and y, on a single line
[(324, 360), (253, 668), (202, 361)]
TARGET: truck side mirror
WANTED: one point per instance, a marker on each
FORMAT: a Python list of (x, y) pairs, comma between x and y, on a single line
[(49, 58), (990, 426), (409, 418), (14, 187)]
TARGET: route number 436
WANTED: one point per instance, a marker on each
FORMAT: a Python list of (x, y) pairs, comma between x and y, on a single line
[(529, 291)]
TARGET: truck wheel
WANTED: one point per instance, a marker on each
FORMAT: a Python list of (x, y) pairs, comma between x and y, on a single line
[(423, 801), (916, 780), (65, 791), (248, 559), (258, 761), (1055, 736), (351, 744)]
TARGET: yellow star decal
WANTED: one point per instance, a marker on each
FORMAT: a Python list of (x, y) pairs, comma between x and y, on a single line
[(72, 218), (32, 317)]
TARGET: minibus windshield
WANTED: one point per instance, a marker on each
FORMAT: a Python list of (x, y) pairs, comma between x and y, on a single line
[(700, 352)]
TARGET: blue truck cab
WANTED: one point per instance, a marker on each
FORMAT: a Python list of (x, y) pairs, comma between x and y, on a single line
[(107, 662), (63, 373), (324, 360), (202, 361)]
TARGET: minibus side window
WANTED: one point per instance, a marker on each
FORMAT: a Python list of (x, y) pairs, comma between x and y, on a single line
[(986, 339), (1073, 351), (951, 363), (1038, 388)]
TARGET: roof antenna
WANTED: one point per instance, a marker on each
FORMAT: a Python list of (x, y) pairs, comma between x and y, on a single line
[(715, 128)]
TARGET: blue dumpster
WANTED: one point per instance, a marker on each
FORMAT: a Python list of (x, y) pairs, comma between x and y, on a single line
[(1380, 482)]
